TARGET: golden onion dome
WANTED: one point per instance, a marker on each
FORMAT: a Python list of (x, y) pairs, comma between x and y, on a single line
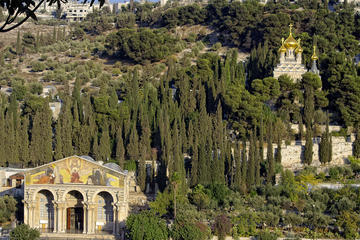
[(290, 42), (299, 48), (314, 57), (282, 49)]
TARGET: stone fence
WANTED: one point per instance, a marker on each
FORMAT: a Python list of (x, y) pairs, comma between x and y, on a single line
[(293, 154)]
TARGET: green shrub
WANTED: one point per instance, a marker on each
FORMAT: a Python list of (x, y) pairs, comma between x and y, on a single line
[(190, 230), (24, 232), (38, 66), (146, 226), (266, 235)]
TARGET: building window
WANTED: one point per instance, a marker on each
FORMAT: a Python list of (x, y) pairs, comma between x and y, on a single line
[(43, 208), (101, 210)]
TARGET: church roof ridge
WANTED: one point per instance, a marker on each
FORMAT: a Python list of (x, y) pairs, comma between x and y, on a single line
[(124, 172)]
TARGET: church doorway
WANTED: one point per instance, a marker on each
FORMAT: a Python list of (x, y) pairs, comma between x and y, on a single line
[(74, 212), (75, 219)]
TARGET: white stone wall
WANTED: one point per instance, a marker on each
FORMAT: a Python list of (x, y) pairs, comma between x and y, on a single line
[(292, 154)]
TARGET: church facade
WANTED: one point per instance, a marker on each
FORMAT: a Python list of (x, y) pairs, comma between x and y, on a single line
[(291, 59), (76, 195)]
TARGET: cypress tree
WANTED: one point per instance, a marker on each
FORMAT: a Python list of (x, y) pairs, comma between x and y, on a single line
[(95, 147), (120, 150), (270, 155), (308, 116), (301, 130), (278, 151), (178, 156), (356, 144), (195, 162), (251, 162), (24, 142), (58, 141), (10, 144), (244, 166), (41, 136), (104, 146), (261, 141), (133, 146), (76, 128), (236, 181), (65, 118), (308, 153), (257, 160), (325, 148)]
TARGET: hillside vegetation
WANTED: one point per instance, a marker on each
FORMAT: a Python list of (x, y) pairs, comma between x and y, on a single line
[(159, 84)]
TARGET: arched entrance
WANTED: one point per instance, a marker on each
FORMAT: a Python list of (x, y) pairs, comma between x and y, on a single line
[(74, 212), (45, 206), (104, 213)]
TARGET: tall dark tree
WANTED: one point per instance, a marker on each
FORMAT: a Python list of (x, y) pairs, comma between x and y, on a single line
[(104, 145), (270, 175), (325, 145), (41, 135), (119, 149), (251, 162)]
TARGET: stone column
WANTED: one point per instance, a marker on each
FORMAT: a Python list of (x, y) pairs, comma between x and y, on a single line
[(114, 219), (91, 220), (55, 216), (61, 217), (32, 214), (85, 220)]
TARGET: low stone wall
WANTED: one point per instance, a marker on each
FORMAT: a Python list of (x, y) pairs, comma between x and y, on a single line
[(292, 155)]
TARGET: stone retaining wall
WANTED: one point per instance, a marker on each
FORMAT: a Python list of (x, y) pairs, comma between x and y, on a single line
[(292, 154)]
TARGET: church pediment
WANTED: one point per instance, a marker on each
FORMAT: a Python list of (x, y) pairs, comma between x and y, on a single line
[(75, 170)]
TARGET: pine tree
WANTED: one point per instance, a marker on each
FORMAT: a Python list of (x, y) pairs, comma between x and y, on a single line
[(270, 156)]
